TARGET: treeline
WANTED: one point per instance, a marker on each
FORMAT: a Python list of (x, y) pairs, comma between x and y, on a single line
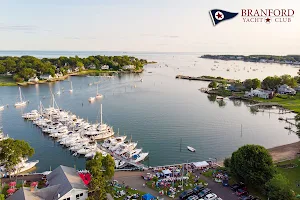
[(256, 58), (28, 66)]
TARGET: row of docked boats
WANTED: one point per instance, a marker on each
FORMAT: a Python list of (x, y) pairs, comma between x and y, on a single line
[(23, 166), (81, 137)]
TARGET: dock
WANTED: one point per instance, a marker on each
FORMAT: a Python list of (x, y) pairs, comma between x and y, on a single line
[(205, 78)]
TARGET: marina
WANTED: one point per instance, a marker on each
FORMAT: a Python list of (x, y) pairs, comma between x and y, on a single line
[(158, 113)]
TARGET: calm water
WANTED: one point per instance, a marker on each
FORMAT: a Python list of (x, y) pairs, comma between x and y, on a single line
[(158, 112)]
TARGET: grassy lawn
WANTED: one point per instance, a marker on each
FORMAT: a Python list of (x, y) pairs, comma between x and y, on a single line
[(287, 101), (292, 174), (7, 81)]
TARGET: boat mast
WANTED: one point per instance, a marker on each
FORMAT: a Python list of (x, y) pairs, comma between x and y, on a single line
[(97, 89), (100, 113), (20, 95)]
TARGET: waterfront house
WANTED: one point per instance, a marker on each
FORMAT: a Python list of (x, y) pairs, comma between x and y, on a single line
[(69, 71), (236, 88), (104, 67), (128, 67), (285, 89), (47, 77), (64, 183), (264, 94), (33, 80), (92, 66)]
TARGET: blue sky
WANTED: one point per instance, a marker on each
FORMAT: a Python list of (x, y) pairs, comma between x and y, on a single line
[(143, 25)]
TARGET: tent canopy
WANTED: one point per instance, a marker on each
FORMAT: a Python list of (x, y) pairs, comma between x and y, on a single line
[(166, 172), (201, 164), (148, 197)]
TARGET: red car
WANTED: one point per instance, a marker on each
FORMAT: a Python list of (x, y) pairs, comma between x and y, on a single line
[(241, 192)]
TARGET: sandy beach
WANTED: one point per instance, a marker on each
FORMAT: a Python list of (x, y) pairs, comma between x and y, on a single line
[(285, 152)]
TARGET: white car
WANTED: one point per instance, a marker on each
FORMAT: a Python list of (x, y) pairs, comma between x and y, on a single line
[(219, 198), (211, 196)]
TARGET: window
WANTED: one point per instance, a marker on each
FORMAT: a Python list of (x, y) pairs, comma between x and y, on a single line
[(77, 196), (67, 198), (81, 194)]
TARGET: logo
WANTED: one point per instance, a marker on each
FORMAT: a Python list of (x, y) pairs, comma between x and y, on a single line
[(267, 15), (218, 15)]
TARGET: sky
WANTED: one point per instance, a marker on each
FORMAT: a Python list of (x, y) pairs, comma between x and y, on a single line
[(144, 25)]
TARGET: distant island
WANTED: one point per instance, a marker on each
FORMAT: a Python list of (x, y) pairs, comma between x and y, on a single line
[(31, 70), (288, 59)]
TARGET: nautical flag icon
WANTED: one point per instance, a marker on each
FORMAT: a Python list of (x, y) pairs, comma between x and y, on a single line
[(218, 15)]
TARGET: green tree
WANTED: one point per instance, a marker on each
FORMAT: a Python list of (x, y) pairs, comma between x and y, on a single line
[(256, 83), (13, 151), (252, 164), (213, 84), (227, 162), (248, 84), (102, 170), (279, 188), (2, 68)]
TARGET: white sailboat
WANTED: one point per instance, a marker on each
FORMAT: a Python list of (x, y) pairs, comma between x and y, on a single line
[(21, 102), (58, 93), (98, 95), (1, 107), (71, 90)]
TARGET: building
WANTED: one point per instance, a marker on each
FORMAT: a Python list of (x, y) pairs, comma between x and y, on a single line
[(46, 77), (285, 89), (33, 80), (92, 66), (64, 183), (264, 94), (104, 67), (128, 67)]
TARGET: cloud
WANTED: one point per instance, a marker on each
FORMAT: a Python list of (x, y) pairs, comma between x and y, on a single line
[(170, 36), (18, 28)]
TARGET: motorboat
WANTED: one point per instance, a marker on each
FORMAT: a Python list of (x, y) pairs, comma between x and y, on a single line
[(131, 153), (110, 142), (33, 115), (120, 164), (21, 102), (139, 157), (125, 147), (91, 99), (93, 153), (23, 166), (191, 149), (1, 107)]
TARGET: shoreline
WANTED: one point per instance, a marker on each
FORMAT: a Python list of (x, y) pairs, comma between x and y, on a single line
[(82, 73), (285, 152)]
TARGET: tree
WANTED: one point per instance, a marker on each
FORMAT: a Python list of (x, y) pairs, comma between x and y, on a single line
[(102, 170), (212, 84), (248, 84), (256, 83), (271, 82), (278, 188), (13, 151), (227, 162), (252, 164)]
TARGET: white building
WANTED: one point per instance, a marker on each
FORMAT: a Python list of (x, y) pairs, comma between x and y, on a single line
[(104, 67), (128, 67), (64, 183), (33, 80), (265, 94), (46, 77), (91, 66)]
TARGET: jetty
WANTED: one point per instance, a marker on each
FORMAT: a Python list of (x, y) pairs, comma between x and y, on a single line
[(205, 78)]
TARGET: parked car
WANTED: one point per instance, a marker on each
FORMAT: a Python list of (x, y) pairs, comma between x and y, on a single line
[(210, 196), (237, 186), (219, 198), (225, 183), (241, 192), (193, 197), (198, 189), (186, 194), (204, 192)]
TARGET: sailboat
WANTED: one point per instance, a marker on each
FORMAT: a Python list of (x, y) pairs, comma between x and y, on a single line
[(21, 102), (91, 99), (98, 95), (1, 106), (71, 90)]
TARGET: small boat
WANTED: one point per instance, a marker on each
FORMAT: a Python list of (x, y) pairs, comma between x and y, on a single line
[(191, 149), (91, 99), (90, 84), (58, 93), (98, 95), (1, 107), (21, 102)]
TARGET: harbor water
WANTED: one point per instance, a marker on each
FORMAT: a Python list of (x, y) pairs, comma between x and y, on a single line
[(164, 114)]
